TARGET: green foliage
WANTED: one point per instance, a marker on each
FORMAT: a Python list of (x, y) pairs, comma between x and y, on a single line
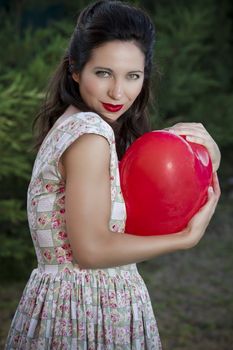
[(194, 54), (16, 109)]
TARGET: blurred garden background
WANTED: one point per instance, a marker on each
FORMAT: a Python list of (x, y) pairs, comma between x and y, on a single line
[(191, 291)]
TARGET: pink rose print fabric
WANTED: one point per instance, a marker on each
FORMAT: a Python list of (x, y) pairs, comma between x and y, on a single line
[(63, 306)]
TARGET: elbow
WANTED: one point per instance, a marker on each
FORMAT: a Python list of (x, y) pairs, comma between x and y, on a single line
[(91, 254), (86, 264), (89, 259)]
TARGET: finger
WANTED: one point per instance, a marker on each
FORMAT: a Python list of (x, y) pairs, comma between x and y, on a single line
[(216, 185), (211, 147), (210, 194), (200, 140), (205, 213), (214, 188), (207, 210), (211, 200), (191, 133), (189, 124)]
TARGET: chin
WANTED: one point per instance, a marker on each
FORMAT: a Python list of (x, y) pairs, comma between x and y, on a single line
[(112, 116)]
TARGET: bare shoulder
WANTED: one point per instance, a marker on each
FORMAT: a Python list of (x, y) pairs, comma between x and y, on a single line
[(89, 150)]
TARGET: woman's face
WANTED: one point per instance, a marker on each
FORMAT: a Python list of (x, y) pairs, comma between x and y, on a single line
[(112, 79)]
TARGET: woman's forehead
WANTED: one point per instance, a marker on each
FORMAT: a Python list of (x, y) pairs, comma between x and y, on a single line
[(118, 54)]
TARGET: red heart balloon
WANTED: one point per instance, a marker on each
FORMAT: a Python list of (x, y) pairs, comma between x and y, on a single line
[(164, 181)]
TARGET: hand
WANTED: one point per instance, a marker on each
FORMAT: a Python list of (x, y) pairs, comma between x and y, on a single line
[(197, 133), (199, 222)]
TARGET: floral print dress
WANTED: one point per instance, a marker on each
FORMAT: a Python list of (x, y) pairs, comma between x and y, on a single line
[(64, 307)]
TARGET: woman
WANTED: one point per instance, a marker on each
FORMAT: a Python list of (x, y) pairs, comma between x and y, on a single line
[(86, 292)]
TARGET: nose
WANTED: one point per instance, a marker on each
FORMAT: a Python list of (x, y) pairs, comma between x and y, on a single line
[(116, 90)]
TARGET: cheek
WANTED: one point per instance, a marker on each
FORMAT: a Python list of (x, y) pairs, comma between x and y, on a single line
[(135, 91), (91, 87), (87, 87)]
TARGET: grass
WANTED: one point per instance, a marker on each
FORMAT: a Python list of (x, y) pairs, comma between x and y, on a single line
[(191, 291)]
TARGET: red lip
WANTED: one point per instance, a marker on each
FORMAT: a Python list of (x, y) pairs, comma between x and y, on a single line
[(112, 108)]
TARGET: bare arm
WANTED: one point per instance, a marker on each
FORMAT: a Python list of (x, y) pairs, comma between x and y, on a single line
[(88, 209)]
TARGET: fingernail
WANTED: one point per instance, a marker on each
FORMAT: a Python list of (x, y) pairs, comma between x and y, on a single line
[(210, 189)]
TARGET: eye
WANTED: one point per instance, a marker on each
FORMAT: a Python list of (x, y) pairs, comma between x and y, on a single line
[(134, 76), (103, 73)]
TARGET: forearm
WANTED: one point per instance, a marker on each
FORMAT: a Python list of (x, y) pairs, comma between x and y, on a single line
[(116, 249)]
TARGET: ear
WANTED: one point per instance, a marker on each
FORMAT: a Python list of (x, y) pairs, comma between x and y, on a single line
[(75, 76)]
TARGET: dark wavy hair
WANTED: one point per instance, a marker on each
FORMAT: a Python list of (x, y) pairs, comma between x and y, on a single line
[(99, 23)]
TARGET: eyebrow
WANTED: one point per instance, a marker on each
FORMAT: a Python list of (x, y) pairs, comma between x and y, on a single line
[(110, 70)]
